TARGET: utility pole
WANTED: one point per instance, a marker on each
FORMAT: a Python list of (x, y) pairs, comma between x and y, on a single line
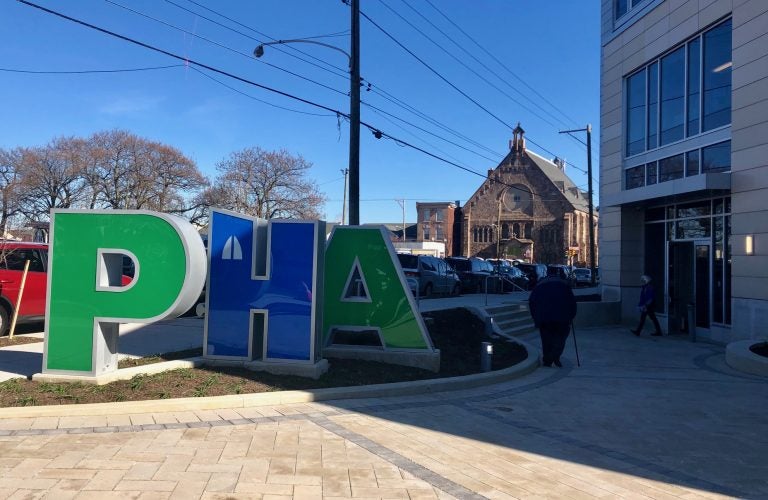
[(344, 171), (591, 207), (588, 130), (401, 202), (354, 118), (498, 230)]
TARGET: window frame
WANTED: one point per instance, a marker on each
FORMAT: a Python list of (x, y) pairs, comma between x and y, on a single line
[(646, 70)]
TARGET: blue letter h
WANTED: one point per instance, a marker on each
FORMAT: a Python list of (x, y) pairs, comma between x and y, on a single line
[(263, 283)]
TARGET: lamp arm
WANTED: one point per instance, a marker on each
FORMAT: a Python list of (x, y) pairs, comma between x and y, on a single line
[(299, 40)]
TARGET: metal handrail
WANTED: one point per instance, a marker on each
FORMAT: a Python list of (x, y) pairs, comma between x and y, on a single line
[(502, 278)]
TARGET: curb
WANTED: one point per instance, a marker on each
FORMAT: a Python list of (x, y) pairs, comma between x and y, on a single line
[(528, 365), (739, 357)]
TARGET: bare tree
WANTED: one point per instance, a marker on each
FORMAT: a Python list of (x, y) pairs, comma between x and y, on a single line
[(10, 192), (51, 176), (266, 184), (128, 172)]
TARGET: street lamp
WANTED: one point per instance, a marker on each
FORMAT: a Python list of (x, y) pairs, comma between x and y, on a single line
[(259, 51), (354, 105)]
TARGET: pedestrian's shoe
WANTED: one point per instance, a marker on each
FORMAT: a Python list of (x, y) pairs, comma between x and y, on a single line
[(558, 363), (657, 334), (636, 332)]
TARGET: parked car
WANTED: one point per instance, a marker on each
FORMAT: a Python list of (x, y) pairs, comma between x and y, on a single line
[(433, 275), (583, 276), (515, 276), (563, 272), (13, 256), (474, 273), (535, 272)]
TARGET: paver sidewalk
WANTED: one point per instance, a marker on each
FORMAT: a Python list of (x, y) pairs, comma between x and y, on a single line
[(642, 418)]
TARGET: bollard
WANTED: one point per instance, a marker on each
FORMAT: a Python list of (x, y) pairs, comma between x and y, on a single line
[(486, 356)]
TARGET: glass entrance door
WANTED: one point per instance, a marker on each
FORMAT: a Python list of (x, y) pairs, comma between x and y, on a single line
[(689, 279), (681, 285), (702, 284)]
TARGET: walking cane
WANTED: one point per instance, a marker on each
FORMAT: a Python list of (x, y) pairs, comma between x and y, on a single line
[(575, 346)]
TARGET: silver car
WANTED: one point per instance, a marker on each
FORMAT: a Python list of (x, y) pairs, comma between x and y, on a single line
[(435, 276)]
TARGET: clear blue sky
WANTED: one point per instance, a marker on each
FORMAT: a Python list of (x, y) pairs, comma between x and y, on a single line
[(552, 46)]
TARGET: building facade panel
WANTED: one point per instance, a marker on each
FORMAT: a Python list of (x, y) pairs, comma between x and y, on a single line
[(682, 187)]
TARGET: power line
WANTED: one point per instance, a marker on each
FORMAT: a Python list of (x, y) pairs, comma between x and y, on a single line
[(375, 110), (435, 122), (256, 98), (433, 70), (334, 69), (465, 65), (427, 131), (500, 63), (208, 9), (376, 131), (244, 54), (89, 71), (461, 47), (452, 85), (413, 110)]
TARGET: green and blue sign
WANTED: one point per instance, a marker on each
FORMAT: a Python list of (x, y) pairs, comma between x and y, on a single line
[(276, 291)]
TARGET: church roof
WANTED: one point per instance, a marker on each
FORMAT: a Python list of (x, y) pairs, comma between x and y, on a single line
[(574, 195)]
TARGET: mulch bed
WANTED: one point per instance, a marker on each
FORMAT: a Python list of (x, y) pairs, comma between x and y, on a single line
[(761, 349), (7, 341), (456, 332)]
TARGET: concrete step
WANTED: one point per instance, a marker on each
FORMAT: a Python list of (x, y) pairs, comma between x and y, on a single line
[(513, 322), (520, 331), (512, 319), (507, 308)]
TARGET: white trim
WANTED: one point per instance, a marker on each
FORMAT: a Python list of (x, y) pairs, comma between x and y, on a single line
[(367, 298), (102, 271)]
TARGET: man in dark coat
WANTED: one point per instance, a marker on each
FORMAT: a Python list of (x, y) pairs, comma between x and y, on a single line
[(553, 308), (647, 307)]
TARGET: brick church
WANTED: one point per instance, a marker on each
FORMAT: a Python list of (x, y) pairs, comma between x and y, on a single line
[(528, 208)]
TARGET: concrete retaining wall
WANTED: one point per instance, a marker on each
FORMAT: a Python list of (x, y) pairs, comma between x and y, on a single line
[(597, 314)]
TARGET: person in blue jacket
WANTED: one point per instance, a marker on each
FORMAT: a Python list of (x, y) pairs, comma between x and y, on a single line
[(553, 307), (647, 306)]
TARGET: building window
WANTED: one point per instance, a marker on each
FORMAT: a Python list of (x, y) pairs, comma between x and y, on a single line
[(653, 100), (426, 231), (716, 158), (683, 93), (671, 168), (694, 84), (621, 7), (672, 96), (717, 76), (692, 163), (438, 215), (635, 177), (439, 233), (636, 113), (651, 173)]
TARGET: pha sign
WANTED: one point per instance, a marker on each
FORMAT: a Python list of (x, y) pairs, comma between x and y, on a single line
[(276, 291)]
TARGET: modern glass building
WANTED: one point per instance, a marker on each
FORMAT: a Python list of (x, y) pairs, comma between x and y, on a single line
[(684, 162)]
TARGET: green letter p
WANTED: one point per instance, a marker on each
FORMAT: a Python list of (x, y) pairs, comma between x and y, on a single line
[(86, 301)]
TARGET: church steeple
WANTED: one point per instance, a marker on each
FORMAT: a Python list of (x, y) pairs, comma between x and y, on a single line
[(518, 139)]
